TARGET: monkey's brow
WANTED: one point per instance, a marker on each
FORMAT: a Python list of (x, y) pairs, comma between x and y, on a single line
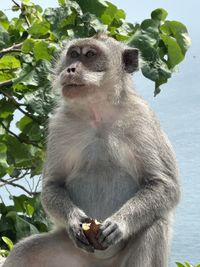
[(74, 47), (81, 46)]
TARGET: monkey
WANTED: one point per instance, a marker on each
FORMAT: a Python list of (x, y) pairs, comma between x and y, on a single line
[(107, 158)]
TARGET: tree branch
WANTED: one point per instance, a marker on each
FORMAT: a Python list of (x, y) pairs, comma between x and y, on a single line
[(18, 105), (21, 140), (25, 17), (5, 182), (5, 84), (13, 48)]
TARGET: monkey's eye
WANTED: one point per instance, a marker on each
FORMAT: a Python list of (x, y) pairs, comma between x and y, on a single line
[(74, 54), (90, 54)]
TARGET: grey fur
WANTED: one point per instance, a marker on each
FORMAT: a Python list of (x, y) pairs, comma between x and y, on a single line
[(109, 159)]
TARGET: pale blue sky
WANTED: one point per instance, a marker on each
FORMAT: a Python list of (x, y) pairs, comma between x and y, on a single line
[(178, 108)]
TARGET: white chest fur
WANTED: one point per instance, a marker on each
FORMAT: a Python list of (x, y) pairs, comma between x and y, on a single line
[(88, 134)]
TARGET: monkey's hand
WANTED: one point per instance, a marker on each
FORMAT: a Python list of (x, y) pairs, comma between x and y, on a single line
[(74, 228), (110, 233)]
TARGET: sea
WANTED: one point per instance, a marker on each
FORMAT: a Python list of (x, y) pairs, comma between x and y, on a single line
[(178, 109)]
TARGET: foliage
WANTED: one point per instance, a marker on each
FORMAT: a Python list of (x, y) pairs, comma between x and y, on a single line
[(24, 218), (186, 264), (29, 43), (9, 243)]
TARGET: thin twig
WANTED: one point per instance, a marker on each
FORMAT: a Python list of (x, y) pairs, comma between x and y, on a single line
[(16, 178), (17, 185), (10, 195), (38, 183), (18, 105), (29, 186), (25, 17), (18, 5), (2, 201), (10, 132), (21, 140)]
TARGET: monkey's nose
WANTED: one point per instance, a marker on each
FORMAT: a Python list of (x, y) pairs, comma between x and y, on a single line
[(71, 70)]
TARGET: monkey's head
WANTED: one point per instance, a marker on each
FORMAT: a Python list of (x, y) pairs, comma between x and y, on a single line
[(92, 64)]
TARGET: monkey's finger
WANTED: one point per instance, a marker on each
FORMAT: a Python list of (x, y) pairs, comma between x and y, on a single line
[(111, 239), (110, 229), (82, 238), (85, 219), (88, 248), (102, 228)]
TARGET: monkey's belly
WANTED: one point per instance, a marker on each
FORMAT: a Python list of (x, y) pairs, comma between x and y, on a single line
[(100, 194)]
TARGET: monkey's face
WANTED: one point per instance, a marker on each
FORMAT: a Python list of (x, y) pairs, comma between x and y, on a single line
[(84, 70), (92, 64)]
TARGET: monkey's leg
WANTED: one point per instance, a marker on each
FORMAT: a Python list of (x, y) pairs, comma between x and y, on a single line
[(150, 248), (48, 250)]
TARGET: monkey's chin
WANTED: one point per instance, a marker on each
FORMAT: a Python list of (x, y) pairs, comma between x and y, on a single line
[(73, 91)]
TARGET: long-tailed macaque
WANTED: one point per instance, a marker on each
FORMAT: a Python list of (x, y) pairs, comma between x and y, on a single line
[(107, 159)]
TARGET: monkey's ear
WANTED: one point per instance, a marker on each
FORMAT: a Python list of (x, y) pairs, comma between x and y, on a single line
[(130, 59)]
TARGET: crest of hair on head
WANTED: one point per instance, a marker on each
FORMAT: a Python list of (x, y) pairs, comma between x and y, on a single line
[(101, 36)]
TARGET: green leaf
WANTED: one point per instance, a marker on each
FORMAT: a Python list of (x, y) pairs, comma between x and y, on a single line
[(8, 242), (109, 14), (12, 215), (4, 38), (149, 25), (187, 264), (179, 32), (3, 159), (27, 76), (39, 28), (96, 7), (4, 20), (175, 55), (180, 264), (7, 108), (3, 148), (28, 45), (29, 209), (19, 203), (61, 2), (2, 130), (24, 228), (23, 123), (19, 151), (41, 51), (159, 14), (9, 62), (29, 128)]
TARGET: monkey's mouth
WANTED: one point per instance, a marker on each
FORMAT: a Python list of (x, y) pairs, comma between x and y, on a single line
[(74, 85)]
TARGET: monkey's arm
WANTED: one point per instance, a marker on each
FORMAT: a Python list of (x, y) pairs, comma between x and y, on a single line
[(59, 206), (160, 190), (159, 193), (56, 200)]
